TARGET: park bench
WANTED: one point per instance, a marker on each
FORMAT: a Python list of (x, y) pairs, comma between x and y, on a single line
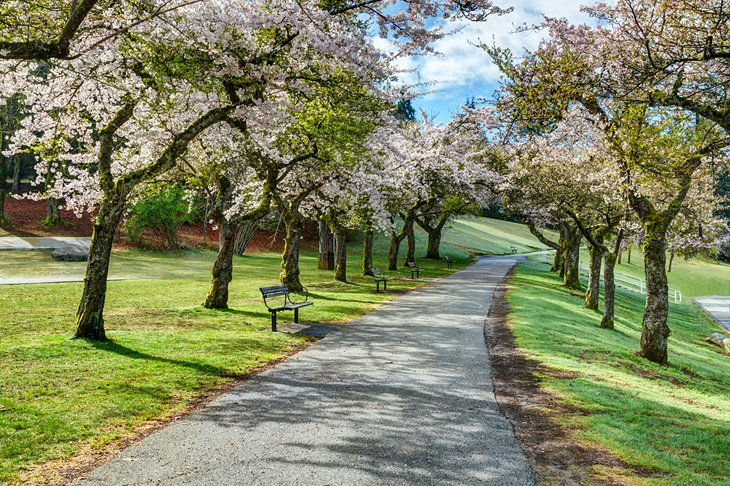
[(379, 276), (513, 249), (449, 261), (415, 270), (274, 291)]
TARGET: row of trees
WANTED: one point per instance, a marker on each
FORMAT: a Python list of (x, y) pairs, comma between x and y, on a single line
[(604, 133), (616, 132), (281, 104)]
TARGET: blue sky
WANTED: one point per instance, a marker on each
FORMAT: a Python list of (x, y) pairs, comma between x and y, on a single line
[(464, 70)]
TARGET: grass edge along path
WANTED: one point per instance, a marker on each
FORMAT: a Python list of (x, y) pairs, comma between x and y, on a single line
[(673, 419), (65, 403)]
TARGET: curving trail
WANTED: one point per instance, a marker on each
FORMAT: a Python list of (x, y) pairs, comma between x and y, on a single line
[(401, 396)]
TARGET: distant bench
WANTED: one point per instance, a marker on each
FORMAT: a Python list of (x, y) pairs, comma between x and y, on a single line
[(513, 249), (415, 270), (379, 276), (449, 261), (274, 291)]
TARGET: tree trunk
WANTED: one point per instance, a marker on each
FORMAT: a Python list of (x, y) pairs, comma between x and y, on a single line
[(53, 215), (367, 249), (671, 260), (340, 248), (628, 254), (434, 243), (609, 290), (3, 192), (326, 260), (655, 331), (90, 314), (609, 282), (217, 297), (620, 257), (594, 277), (395, 240), (290, 258), (411, 252), (16, 175), (563, 241), (571, 260)]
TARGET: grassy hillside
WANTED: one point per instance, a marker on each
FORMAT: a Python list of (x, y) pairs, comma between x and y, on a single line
[(674, 419)]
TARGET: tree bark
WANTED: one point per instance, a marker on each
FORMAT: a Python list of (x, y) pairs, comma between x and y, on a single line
[(53, 215), (655, 331), (290, 258), (16, 175), (411, 249), (367, 248), (609, 283), (594, 276), (628, 255), (3, 191), (217, 297), (433, 251), (325, 247), (571, 260), (671, 260), (89, 317), (340, 248), (395, 240)]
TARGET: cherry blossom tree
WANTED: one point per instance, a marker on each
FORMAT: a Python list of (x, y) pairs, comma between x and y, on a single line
[(658, 150)]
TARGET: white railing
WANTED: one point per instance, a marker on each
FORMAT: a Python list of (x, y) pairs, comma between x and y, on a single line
[(635, 284)]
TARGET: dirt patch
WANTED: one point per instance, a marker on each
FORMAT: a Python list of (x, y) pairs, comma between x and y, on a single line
[(67, 470), (558, 457), (25, 218)]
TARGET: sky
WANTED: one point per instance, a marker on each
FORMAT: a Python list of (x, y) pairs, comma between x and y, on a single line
[(464, 70)]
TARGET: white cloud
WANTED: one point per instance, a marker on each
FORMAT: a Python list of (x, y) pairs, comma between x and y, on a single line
[(464, 70)]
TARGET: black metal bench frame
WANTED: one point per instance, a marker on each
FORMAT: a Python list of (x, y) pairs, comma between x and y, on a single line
[(415, 269), (379, 276), (273, 291), (513, 249), (449, 261)]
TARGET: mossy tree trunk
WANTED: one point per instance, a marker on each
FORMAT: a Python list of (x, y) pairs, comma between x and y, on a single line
[(89, 317), (367, 248), (396, 238), (411, 246), (90, 314), (326, 262), (571, 260), (338, 230), (609, 283), (558, 247), (594, 275), (289, 275), (53, 213), (222, 273), (655, 330)]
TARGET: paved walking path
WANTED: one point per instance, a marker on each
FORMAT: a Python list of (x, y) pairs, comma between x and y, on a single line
[(401, 396), (718, 307), (43, 243)]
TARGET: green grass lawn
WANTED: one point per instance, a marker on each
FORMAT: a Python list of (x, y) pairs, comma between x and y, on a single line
[(694, 278), (469, 236), (674, 419), (63, 398)]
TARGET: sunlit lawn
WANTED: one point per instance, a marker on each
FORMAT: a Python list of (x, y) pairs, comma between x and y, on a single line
[(675, 419), (60, 396)]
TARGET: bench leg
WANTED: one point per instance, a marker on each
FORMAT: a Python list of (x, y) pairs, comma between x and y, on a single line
[(296, 316), (273, 322)]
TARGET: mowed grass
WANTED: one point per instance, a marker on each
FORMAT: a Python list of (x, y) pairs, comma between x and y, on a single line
[(62, 398), (694, 278), (673, 419)]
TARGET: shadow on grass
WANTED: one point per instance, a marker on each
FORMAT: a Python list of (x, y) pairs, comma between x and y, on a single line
[(121, 350)]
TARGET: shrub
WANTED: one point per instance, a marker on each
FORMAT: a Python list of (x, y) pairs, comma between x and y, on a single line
[(161, 212)]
